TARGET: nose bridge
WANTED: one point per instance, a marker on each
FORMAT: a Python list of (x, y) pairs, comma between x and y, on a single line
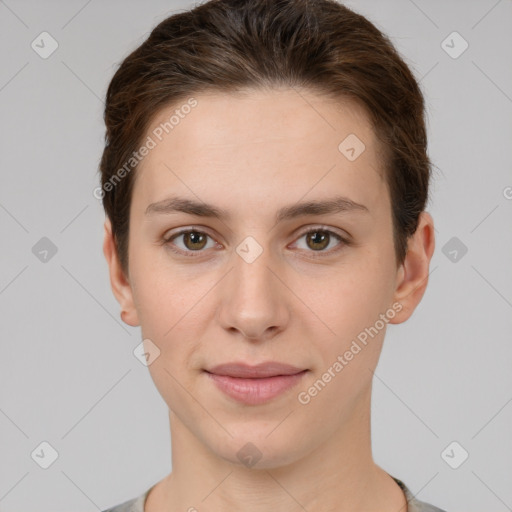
[(253, 300)]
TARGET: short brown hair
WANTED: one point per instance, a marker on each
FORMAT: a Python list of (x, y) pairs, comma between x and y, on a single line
[(230, 45)]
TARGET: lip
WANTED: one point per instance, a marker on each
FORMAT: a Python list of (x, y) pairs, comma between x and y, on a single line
[(258, 371), (257, 384)]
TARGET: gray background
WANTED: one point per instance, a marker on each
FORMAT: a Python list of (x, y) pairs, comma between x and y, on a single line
[(68, 374)]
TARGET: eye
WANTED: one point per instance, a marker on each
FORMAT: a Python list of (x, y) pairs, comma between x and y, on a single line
[(318, 239), (193, 241)]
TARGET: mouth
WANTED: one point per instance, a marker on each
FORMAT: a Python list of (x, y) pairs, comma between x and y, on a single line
[(253, 385)]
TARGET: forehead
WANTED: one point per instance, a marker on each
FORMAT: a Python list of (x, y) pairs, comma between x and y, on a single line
[(250, 116), (269, 142)]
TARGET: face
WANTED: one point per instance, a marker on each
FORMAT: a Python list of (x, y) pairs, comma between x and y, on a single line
[(252, 286)]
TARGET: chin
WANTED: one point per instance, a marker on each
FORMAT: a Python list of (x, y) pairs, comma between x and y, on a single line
[(256, 449)]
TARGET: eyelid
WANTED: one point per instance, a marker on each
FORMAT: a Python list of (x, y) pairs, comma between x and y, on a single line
[(343, 239), (167, 240)]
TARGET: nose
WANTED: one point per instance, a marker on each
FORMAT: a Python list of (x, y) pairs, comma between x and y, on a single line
[(253, 299)]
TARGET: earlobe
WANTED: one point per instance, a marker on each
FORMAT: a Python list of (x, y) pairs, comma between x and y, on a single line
[(118, 281), (412, 276)]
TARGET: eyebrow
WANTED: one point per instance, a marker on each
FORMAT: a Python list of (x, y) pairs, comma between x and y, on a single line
[(338, 204)]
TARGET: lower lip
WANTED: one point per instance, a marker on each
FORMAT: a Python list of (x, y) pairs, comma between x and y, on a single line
[(255, 391)]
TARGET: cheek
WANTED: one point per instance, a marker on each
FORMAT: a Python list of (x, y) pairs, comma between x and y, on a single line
[(349, 304), (172, 310), (159, 290), (350, 298)]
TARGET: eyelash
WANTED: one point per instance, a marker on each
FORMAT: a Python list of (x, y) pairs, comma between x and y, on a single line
[(322, 229)]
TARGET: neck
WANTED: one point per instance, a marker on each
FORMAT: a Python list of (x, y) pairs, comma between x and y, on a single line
[(338, 475)]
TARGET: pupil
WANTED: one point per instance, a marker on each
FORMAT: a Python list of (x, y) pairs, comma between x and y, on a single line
[(319, 237), (195, 238)]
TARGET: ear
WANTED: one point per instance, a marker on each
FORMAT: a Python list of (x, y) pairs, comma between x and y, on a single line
[(118, 281), (412, 276)]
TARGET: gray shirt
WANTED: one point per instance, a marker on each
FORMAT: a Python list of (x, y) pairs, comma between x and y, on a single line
[(137, 504)]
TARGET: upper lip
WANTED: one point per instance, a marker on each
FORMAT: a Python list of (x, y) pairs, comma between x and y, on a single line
[(243, 370)]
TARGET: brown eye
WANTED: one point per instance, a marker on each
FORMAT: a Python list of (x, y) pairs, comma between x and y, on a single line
[(194, 240), (317, 240), (190, 241), (322, 241)]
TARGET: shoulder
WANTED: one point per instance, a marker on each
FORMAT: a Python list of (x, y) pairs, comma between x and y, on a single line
[(421, 506), (415, 505), (132, 505)]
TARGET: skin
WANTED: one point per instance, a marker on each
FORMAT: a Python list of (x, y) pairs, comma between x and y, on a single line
[(252, 154)]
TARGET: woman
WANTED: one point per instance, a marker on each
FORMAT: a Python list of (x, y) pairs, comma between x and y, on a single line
[(264, 179)]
